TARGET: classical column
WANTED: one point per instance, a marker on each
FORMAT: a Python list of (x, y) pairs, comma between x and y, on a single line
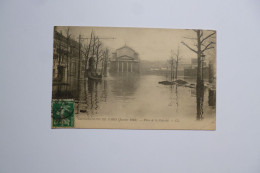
[(122, 66), (126, 66), (131, 66)]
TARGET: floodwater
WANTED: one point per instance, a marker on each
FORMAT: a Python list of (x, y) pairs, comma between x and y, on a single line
[(141, 96)]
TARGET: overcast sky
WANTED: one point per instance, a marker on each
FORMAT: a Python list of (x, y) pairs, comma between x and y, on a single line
[(151, 44)]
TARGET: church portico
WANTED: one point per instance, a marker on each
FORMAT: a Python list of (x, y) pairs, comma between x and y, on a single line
[(125, 60)]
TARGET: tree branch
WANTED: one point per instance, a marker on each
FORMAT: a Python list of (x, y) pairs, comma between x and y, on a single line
[(207, 47), (190, 38), (201, 34), (189, 47), (210, 48), (207, 37)]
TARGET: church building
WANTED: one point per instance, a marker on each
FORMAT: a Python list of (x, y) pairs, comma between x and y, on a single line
[(125, 60)]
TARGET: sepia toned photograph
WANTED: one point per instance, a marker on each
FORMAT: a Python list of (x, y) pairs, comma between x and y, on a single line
[(134, 78)]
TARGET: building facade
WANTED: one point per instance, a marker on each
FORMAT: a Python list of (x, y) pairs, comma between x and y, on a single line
[(66, 64), (125, 60)]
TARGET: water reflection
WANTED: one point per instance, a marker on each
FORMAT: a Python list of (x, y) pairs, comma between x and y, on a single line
[(177, 100), (104, 91), (174, 97), (93, 96), (94, 93), (212, 98), (124, 85), (200, 99), (200, 92), (171, 96), (142, 96)]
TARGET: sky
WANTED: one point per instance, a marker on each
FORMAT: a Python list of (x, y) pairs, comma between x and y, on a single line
[(151, 44)]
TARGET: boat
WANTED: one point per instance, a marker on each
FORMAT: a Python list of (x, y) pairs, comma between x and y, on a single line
[(94, 77), (180, 82), (166, 82), (192, 85)]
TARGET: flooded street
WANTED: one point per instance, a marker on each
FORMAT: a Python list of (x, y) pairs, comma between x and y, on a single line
[(138, 84), (141, 96)]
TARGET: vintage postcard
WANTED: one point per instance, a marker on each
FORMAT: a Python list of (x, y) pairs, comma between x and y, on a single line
[(134, 78)]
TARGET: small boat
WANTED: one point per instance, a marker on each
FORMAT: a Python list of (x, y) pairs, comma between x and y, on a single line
[(83, 110), (94, 77), (192, 85), (180, 82), (166, 82)]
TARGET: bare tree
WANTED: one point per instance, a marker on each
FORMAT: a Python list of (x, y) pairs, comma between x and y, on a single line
[(178, 58), (87, 49), (105, 61), (171, 62), (98, 52), (94, 42), (202, 45)]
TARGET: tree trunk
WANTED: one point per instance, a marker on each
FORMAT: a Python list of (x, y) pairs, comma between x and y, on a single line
[(210, 73), (199, 81), (176, 73), (105, 63), (171, 71), (96, 64)]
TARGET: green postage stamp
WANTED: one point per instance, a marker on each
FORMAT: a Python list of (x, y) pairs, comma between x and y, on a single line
[(62, 113)]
